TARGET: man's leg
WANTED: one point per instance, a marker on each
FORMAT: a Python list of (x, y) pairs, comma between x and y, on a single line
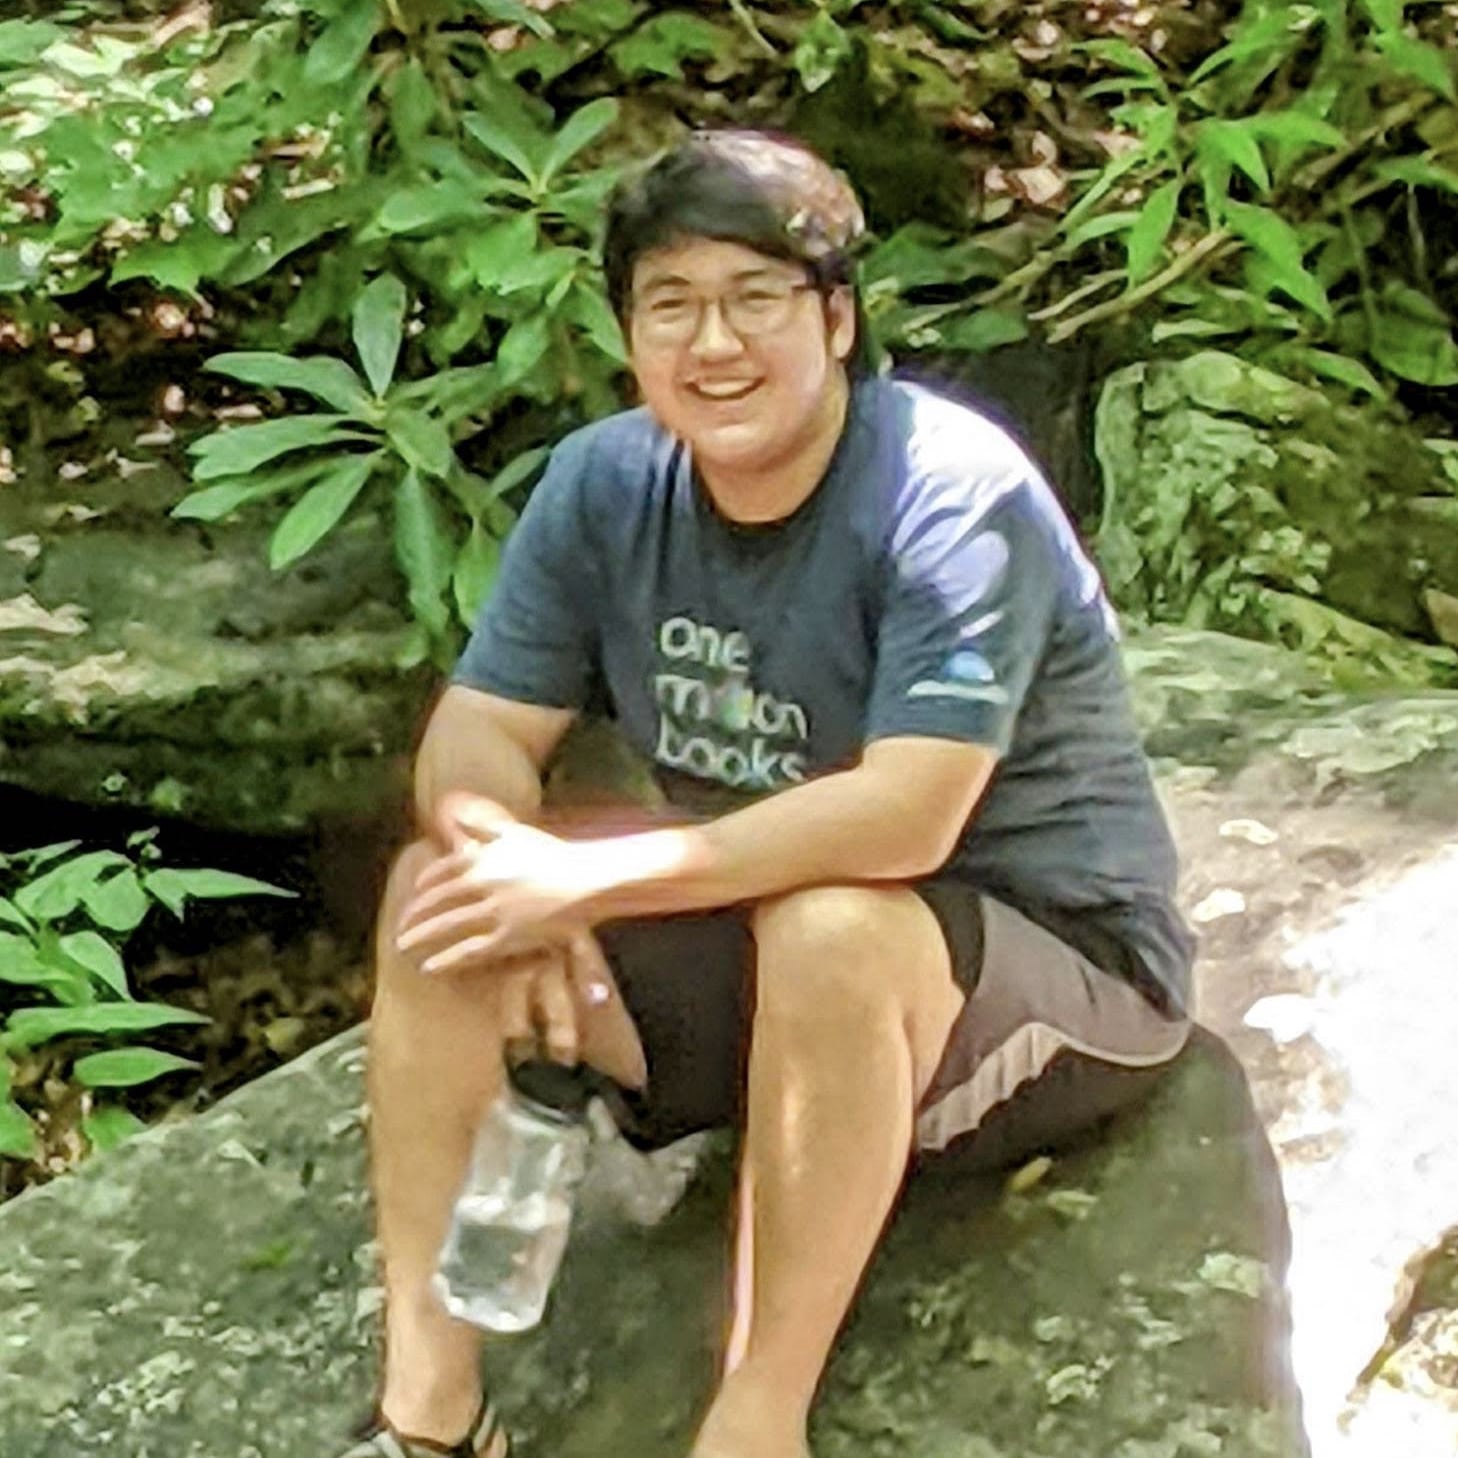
[(435, 1063), (854, 1003)]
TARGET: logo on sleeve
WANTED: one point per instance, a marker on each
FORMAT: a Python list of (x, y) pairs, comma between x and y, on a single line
[(965, 675)]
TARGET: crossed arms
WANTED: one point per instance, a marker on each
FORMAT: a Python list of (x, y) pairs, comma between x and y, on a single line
[(505, 886)]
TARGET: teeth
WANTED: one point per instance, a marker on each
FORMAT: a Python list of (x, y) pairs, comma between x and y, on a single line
[(724, 392)]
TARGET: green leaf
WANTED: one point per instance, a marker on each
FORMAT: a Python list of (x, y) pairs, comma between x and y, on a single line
[(424, 551), (1386, 14), (413, 105), (514, 12), (117, 903), (1411, 337), (1342, 368), (213, 503), (984, 330), (32, 1025), (17, 1133), (516, 472), (523, 347), (127, 1067), (11, 915), (1277, 242), (319, 509), (538, 272), (1418, 172), (344, 43), (510, 137), (822, 49), (329, 380), (180, 265), (173, 888), (589, 310), (379, 325), (660, 47), (1101, 226), (58, 892), (429, 207), (1419, 60), (1233, 142), (1151, 229), (41, 855), (243, 448), (455, 393), (108, 1127), (1120, 53), (475, 571), (1265, 38), (422, 440), (578, 132), (97, 955), (23, 965), (1193, 329), (500, 247), (1103, 184), (918, 254), (23, 41), (1294, 129)]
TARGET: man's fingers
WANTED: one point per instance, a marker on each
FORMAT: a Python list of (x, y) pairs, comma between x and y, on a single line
[(556, 1011), (588, 971), (461, 818), (441, 868), (515, 1005), (435, 928)]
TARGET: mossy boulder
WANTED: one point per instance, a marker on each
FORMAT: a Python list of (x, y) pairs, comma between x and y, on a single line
[(210, 1290), (160, 665), (1239, 500)]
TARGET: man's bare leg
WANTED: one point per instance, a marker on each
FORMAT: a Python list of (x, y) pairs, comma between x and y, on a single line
[(435, 1063), (855, 1000)]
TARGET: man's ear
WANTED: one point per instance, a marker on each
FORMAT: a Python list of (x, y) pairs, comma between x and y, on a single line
[(840, 318)]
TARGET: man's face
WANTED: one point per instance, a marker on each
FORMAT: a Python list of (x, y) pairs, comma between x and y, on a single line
[(735, 353)]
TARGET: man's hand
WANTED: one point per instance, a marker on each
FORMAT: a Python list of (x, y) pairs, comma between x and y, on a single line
[(541, 994), (503, 890)]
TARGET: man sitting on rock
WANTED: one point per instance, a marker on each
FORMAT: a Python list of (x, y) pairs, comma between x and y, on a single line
[(920, 902)]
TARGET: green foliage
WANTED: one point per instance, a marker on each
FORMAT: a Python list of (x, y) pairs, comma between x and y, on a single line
[(421, 186), (65, 914)]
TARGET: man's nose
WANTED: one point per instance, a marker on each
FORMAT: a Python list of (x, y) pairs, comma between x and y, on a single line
[(714, 337)]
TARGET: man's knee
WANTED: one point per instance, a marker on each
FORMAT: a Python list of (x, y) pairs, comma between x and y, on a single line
[(838, 946), (391, 964)]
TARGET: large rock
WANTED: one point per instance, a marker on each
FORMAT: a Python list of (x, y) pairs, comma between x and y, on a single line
[(160, 665), (207, 1291), (1240, 500)]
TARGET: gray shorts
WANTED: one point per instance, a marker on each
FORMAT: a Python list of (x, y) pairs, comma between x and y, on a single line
[(1048, 1044)]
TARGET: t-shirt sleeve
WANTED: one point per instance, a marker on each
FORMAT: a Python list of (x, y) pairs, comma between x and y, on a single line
[(535, 638), (968, 608)]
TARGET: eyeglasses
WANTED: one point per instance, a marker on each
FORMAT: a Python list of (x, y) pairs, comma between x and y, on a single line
[(671, 317)]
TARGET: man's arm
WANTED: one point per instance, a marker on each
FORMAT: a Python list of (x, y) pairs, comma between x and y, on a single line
[(896, 816), (480, 744)]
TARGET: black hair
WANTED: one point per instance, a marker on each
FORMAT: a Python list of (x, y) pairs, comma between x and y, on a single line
[(764, 190)]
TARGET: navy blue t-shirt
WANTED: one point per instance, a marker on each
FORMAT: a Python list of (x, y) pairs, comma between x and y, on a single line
[(930, 585)]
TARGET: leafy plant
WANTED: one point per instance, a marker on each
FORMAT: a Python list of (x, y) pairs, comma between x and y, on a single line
[(399, 431), (65, 915)]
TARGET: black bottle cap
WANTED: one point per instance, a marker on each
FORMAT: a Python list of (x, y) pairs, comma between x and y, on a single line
[(565, 1089)]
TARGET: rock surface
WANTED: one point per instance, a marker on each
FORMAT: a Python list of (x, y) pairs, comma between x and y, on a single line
[(207, 1291), (160, 665), (1239, 500)]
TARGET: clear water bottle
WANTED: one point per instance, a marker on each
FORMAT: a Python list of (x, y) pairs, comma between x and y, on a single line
[(510, 1223)]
